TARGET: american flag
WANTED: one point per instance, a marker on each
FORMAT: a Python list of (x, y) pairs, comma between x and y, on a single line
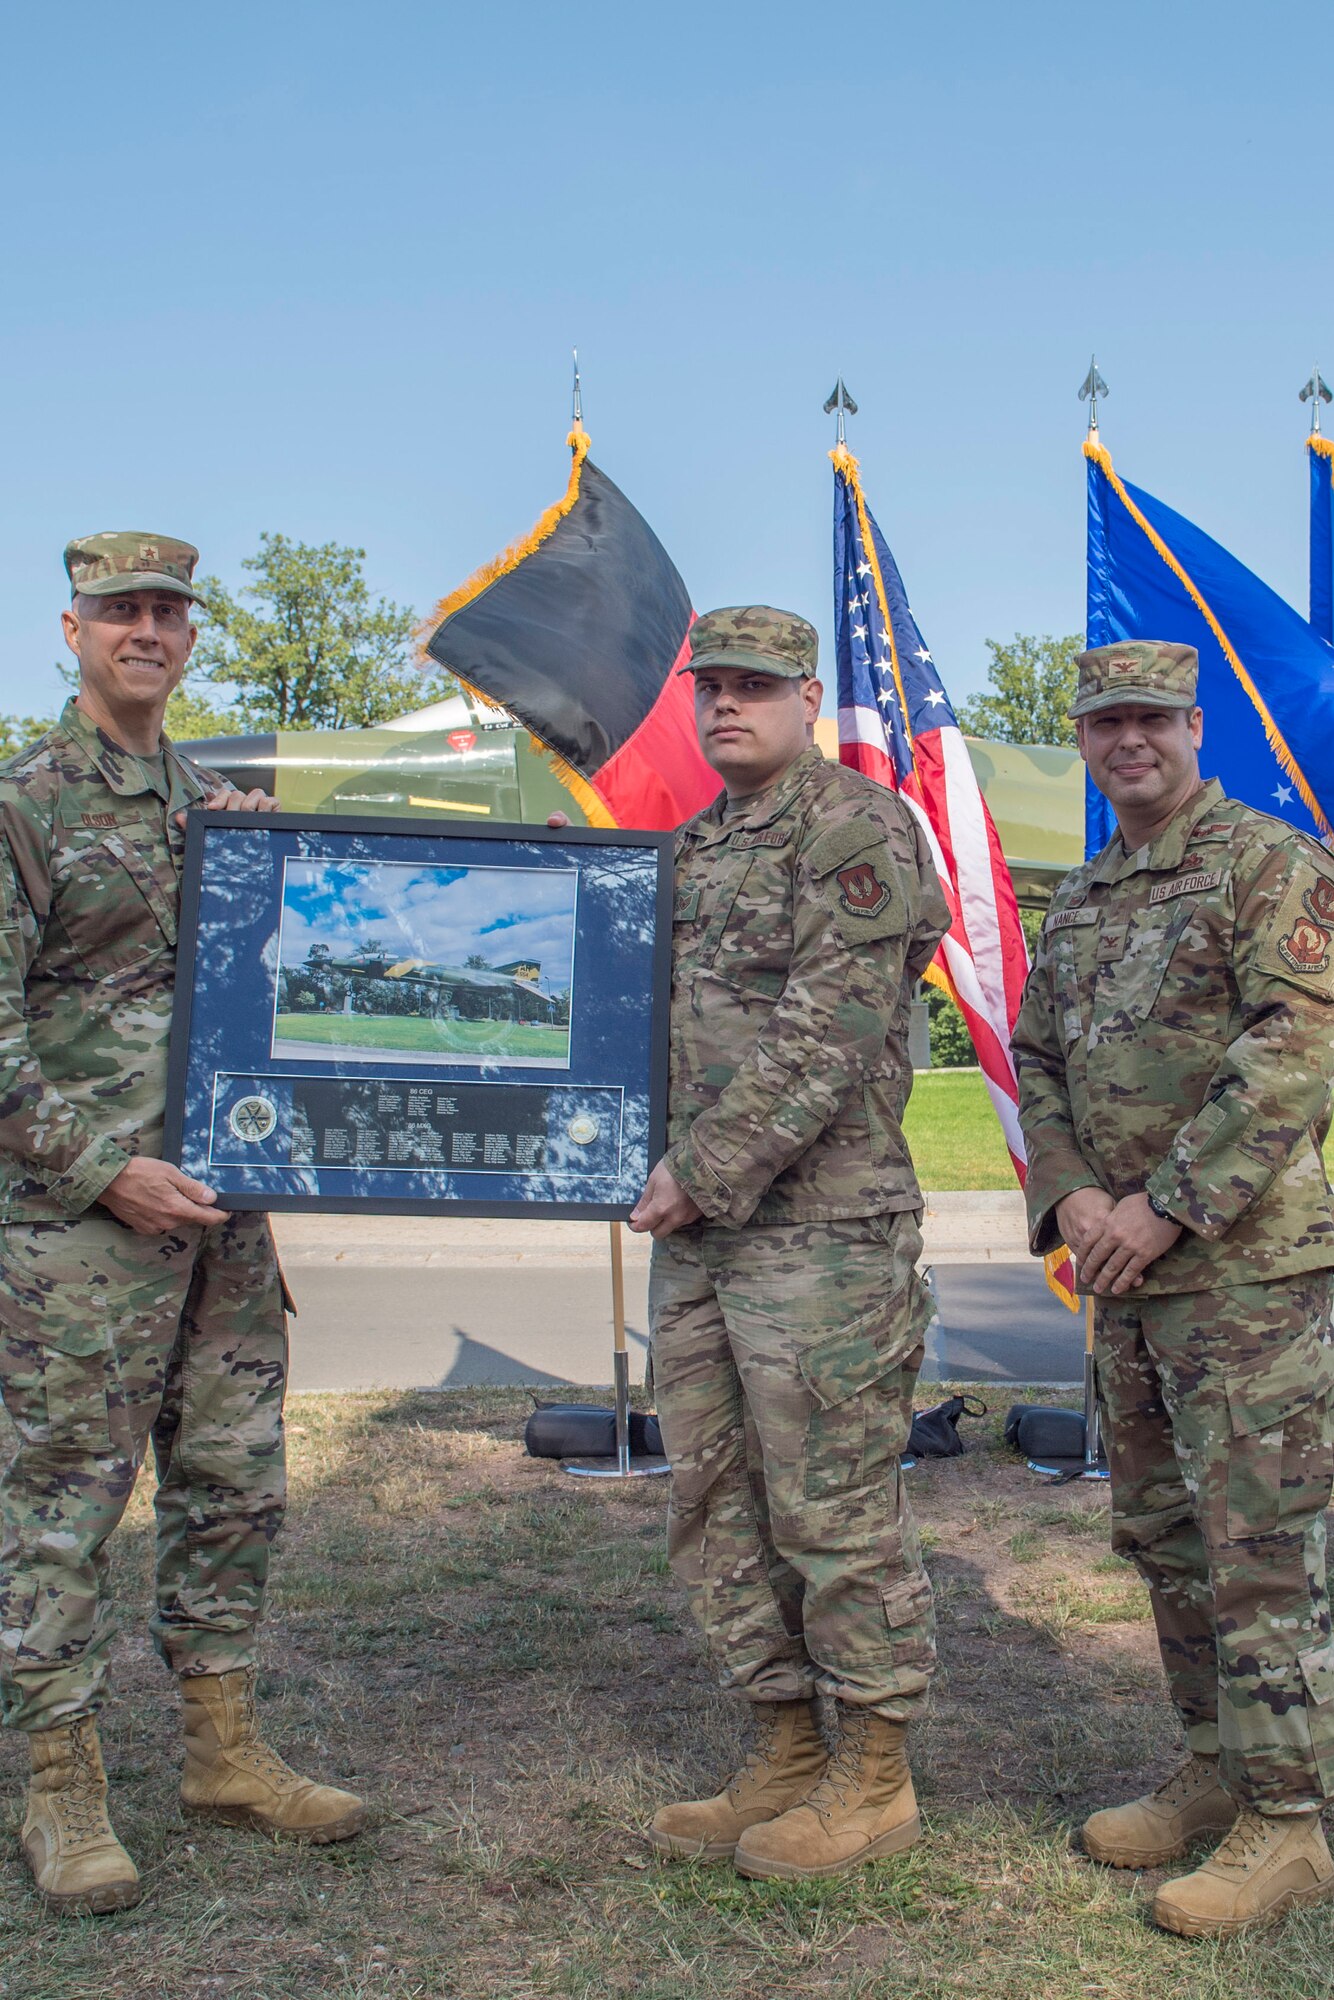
[(896, 724)]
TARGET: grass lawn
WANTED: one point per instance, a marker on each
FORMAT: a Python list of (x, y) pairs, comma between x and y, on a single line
[(428, 1037), (498, 1657), (954, 1134)]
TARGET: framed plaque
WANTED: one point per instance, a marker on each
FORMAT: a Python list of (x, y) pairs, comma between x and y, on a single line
[(381, 1014)]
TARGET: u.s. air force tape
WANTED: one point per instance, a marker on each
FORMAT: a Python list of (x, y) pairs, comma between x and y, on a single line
[(1186, 885)]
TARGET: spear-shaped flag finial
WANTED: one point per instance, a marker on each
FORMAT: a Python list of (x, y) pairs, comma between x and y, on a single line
[(839, 399), (1315, 393), (1090, 389)]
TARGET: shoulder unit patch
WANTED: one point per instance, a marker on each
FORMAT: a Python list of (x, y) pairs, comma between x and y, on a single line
[(1306, 948), (1299, 942), (861, 891)]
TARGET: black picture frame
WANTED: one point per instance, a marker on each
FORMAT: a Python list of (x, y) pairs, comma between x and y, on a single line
[(232, 979)]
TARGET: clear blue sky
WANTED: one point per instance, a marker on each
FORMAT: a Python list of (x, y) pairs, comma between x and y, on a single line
[(318, 268)]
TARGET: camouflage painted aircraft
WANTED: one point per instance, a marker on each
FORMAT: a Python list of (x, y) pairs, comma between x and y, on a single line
[(462, 760), (474, 990), (459, 758)]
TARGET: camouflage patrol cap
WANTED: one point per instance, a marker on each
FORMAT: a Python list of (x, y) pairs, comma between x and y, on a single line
[(1141, 671), (754, 636), (124, 559), (1148, 673)]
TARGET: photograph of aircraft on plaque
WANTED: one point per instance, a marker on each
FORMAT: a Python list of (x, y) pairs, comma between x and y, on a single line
[(400, 961)]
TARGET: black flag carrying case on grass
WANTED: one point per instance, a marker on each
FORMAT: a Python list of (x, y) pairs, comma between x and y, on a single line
[(587, 1430), (1038, 1431), (935, 1432)]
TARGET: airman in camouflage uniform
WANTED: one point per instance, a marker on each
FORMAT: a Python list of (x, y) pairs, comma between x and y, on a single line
[(787, 1313), (1175, 1051), (131, 1307)]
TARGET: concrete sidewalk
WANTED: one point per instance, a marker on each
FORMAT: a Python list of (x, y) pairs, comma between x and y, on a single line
[(965, 1228), (432, 1302)]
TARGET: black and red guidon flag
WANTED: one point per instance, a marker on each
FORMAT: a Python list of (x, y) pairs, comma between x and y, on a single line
[(579, 630)]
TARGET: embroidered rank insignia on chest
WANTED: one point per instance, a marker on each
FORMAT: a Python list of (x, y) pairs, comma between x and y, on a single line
[(100, 820), (1186, 885), (685, 907), (860, 890), (1064, 920)]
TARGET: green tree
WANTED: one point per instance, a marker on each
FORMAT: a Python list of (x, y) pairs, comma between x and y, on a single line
[(191, 716), (311, 649), (1032, 684), (18, 731), (951, 1043)]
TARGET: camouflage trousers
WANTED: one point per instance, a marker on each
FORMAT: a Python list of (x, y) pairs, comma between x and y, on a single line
[(108, 1339), (784, 1361), (1220, 1437)]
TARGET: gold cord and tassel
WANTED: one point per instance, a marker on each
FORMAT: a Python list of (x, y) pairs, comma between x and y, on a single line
[(592, 805)]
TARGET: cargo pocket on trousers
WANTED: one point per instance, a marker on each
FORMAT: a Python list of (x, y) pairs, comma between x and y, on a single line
[(911, 1621), (1317, 1665), (58, 1401), (1270, 1413), (841, 1371)]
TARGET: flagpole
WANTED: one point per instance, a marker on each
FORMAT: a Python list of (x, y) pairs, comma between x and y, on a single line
[(1314, 392), (1320, 569), (1090, 389), (838, 399)]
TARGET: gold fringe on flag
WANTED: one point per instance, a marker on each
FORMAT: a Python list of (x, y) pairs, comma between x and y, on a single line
[(1323, 447), (1052, 1265), (846, 466), (510, 558), (1287, 762), (590, 801)]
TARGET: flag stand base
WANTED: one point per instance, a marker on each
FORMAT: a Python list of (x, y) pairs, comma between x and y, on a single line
[(1093, 1464), (625, 1465)]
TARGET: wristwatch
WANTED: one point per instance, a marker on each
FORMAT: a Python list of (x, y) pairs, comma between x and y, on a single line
[(1163, 1214)]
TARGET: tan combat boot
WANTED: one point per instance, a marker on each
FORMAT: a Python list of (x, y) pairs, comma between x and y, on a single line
[(787, 1757), (76, 1860), (1266, 1864), (864, 1806), (231, 1774), (1151, 1831)]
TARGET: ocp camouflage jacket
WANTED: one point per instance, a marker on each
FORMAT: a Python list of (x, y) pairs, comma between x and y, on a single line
[(89, 898), (801, 920), (1177, 1036)]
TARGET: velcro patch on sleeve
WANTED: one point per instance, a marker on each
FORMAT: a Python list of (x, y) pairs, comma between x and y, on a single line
[(1299, 942), (854, 837), (859, 881)]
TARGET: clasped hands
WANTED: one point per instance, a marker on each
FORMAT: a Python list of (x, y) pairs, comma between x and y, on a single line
[(1112, 1242)]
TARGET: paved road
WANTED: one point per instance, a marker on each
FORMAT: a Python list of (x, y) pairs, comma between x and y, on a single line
[(412, 1325)]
